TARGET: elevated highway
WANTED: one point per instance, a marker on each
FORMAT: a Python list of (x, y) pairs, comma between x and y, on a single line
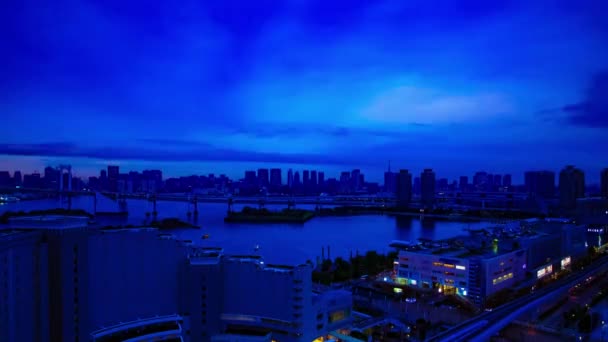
[(488, 324)]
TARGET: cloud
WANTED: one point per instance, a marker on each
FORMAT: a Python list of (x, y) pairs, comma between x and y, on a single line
[(593, 110), (156, 153)]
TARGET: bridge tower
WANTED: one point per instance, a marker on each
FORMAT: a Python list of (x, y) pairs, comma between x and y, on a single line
[(62, 170), (230, 202), (152, 199)]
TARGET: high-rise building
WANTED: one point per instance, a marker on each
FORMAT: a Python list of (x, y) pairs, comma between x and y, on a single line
[(604, 182), (263, 177), (480, 180), (321, 183), (464, 183), (296, 179), (355, 180), (390, 182), (51, 178), (506, 181), (571, 186), (497, 182), (306, 180), (113, 174), (276, 178), (427, 180), (290, 178), (345, 182), (404, 188), (250, 178), (17, 178), (5, 178), (313, 181), (32, 181), (540, 183)]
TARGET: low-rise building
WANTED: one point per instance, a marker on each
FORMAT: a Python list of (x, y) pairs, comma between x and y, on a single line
[(468, 272)]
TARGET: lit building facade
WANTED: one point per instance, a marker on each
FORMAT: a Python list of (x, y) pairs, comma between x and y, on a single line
[(460, 272)]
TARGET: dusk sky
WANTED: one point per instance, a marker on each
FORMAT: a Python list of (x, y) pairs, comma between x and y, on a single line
[(222, 86)]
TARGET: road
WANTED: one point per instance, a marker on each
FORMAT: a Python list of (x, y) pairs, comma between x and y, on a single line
[(484, 326)]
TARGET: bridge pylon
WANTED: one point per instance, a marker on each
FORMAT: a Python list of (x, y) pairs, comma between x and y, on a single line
[(230, 202)]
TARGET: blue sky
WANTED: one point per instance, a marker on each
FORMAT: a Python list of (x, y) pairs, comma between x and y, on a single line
[(223, 86)]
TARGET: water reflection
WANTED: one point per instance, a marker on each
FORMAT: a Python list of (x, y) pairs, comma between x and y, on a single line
[(428, 223), (279, 243), (404, 222)]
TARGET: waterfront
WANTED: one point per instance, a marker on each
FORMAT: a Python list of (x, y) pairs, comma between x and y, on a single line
[(279, 243)]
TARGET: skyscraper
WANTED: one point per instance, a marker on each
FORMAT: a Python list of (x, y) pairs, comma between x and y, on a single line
[(251, 178), (604, 182), (296, 180), (571, 186), (17, 179), (345, 182), (276, 179), (321, 184), (464, 183), (390, 182), (51, 178), (305, 181), (427, 180), (290, 178), (404, 188), (313, 181), (540, 183), (480, 180), (497, 182), (355, 179), (263, 177), (506, 181), (113, 172)]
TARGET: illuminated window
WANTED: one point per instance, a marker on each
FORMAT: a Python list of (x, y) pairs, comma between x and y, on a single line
[(460, 267), (448, 265), (437, 264), (337, 316), (502, 278)]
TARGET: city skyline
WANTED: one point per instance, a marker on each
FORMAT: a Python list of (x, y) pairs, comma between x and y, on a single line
[(284, 174), (473, 85)]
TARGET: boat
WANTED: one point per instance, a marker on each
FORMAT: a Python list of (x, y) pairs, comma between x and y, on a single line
[(206, 236)]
